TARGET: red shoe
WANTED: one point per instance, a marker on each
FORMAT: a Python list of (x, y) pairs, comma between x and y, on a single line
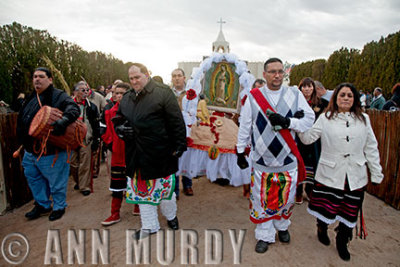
[(113, 219), (188, 191), (299, 200), (136, 210)]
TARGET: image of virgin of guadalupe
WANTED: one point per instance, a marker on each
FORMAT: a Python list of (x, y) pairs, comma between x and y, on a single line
[(221, 85)]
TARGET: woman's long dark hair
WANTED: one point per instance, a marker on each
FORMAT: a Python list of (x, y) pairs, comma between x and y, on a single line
[(333, 109), (314, 100)]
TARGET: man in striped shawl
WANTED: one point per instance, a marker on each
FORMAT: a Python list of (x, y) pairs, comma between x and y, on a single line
[(269, 119)]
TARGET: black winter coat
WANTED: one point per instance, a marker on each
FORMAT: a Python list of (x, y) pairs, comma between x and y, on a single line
[(93, 116), (159, 131), (103, 125), (52, 97), (393, 103)]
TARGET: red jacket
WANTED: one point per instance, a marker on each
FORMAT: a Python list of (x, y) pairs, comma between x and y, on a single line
[(118, 145)]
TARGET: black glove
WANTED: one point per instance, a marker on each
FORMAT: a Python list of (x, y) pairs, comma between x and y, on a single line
[(299, 114), (241, 161), (109, 146), (278, 120), (178, 153), (118, 120), (102, 130), (124, 131), (95, 145), (59, 126)]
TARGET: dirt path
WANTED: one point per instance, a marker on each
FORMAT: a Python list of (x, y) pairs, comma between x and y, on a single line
[(213, 209)]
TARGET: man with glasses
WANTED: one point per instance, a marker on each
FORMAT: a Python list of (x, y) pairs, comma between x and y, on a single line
[(178, 87), (269, 119), (81, 167)]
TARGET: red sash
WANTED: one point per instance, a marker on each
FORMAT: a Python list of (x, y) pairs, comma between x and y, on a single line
[(285, 133)]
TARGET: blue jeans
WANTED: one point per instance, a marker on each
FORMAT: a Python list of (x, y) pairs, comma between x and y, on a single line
[(44, 180), (187, 182)]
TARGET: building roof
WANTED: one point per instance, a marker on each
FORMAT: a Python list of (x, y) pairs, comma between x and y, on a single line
[(221, 43)]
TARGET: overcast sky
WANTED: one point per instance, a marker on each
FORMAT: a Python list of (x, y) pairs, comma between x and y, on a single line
[(161, 33)]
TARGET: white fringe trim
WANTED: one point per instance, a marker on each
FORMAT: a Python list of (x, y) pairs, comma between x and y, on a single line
[(331, 221)]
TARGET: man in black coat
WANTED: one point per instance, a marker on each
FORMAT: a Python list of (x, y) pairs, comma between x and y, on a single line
[(393, 103), (150, 121), (46, 174)]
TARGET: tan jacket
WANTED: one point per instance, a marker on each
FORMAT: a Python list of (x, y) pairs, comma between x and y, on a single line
[(347, 147), (179, 96), (98, 100)]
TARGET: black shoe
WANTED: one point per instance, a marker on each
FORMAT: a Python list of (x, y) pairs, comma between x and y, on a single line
[(284, 236), (174, 224), (76, 187), (343, 238), (323, 236), (222, 181), (261, 246), (341, 246), (86, 193), (36, 212), (56, 214), (142, 234)]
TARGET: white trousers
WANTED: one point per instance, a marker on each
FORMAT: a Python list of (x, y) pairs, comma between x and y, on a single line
[(149, 214), (266, 231)]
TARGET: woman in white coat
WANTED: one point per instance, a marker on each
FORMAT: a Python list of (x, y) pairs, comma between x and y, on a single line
[(348, 146)]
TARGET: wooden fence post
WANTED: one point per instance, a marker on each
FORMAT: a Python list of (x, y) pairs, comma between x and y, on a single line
[(16, 186), (386, 126)]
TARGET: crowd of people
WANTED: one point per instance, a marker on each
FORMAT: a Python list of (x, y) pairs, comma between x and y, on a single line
[(378, 101), (298, 135)]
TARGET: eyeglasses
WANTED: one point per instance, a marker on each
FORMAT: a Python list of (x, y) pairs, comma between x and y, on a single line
[(84, 90), (274, 72)]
